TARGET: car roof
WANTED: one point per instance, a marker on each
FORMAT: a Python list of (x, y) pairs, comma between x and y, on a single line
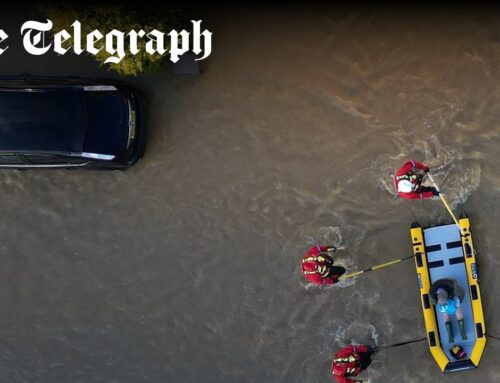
[(50, 119)]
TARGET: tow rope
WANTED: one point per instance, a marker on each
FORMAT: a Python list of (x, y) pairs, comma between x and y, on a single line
[(352, 275)]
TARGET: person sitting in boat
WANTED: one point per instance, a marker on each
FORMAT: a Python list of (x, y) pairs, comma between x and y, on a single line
[(447, 295), (408, 181), (349, 362), (318, 268)]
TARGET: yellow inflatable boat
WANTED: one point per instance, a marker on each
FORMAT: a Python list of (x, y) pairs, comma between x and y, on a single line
[(441, 252)]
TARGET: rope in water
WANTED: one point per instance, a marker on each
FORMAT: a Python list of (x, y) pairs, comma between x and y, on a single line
[(492, 336), (379, 348)]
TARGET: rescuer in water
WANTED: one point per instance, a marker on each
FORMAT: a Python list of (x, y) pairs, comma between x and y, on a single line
[(349, 362), (318, 268), (408, 181)]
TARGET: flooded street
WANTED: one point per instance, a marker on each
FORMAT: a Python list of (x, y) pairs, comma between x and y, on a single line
[(186, 268)]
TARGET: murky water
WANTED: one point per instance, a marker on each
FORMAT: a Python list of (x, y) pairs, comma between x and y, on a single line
[(186, 267)]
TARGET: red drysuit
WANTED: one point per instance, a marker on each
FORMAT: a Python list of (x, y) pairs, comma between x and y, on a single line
[(348, 362), (314, 261)]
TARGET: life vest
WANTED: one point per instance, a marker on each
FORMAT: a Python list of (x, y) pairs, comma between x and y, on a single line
[(317, 264), (346, 366)]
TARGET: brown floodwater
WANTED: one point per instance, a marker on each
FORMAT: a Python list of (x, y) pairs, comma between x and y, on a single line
[(186, 268)]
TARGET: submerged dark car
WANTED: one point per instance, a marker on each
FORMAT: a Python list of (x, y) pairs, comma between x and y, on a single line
[(54, 122)]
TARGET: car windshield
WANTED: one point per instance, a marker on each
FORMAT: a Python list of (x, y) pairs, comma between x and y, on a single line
[(107, 123)]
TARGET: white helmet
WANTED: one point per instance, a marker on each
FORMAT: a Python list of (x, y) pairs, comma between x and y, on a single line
[(405, 186)]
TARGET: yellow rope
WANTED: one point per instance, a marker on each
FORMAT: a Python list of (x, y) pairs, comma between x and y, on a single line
[(352, 275), (446, 205)]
